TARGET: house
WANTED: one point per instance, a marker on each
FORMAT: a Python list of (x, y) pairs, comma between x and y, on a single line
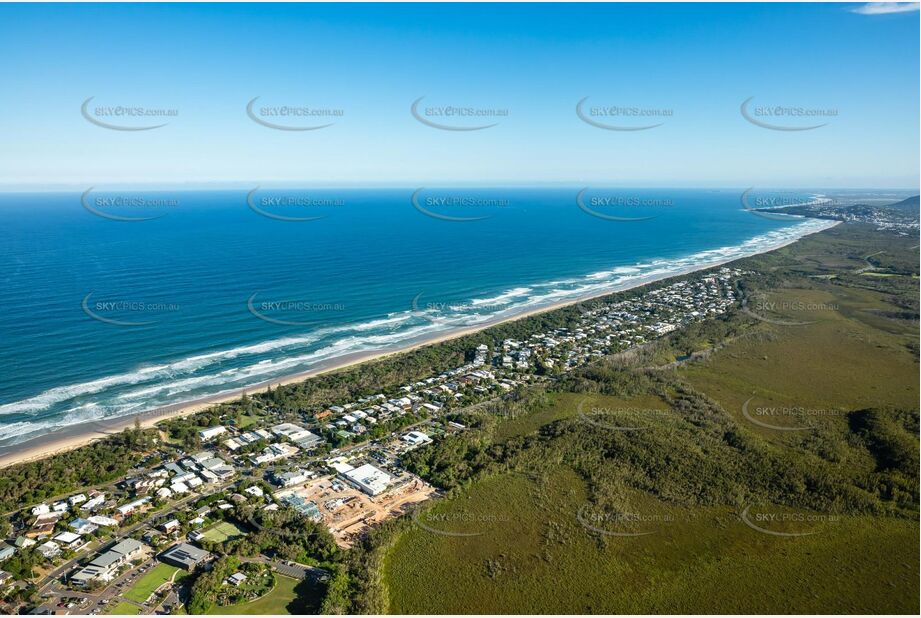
[(287, 479), (82, 526), (184, 556), (102, 520), (236, 579), (170, 526), (7, 551), (70, 540), (40, 509), (131, 507), (93, 503), (416, 438), (49, 549), (255, 491), (75, 500), (211, 432)]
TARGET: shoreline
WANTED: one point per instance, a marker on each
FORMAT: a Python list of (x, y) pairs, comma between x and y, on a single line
[(78, 435)]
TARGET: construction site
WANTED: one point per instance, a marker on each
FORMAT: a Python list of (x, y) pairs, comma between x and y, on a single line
[(348, 511)]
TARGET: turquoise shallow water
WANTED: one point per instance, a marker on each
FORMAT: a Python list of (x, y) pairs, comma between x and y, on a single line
[(116, 302)]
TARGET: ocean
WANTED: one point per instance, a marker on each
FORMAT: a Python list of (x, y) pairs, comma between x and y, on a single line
[(120, 301)]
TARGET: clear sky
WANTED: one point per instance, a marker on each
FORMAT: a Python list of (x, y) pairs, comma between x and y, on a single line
[(697, 62)]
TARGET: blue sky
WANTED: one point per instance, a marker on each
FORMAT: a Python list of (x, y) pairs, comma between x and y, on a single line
[(698, 62)]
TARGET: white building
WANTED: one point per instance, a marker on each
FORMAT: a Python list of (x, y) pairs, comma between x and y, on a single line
[(369, 479), (211, 432)]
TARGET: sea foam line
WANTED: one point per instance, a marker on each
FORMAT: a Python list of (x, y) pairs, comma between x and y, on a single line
[(154, 394)]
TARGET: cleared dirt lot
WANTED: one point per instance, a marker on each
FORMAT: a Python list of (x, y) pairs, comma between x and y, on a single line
[(348, 512)]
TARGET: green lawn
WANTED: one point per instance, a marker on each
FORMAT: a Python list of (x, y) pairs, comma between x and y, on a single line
[(223, 531), (283, 599), (246, 420), (149, 582), (125, 609), (528, 550)]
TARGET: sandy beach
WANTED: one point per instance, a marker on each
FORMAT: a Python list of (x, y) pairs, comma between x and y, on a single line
[(69, 438)]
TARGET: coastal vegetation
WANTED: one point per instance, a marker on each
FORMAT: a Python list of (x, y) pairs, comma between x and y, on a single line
[(100, 462), (634, 484), (549, 492)]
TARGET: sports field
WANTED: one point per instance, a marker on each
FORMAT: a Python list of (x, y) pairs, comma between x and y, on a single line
[(223, 531)]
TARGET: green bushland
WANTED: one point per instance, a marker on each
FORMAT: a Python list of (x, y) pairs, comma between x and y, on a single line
[(102, 461), (529, 465), (534, 555)]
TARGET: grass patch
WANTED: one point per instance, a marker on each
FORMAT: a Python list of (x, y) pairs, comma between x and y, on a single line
[(283, 599), (589, 406), (150, 581), (819, 365), (534, 553), (222, 532), (125, 609)]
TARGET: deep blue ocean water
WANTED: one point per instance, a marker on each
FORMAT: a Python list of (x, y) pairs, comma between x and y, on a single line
[(203, 292)]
